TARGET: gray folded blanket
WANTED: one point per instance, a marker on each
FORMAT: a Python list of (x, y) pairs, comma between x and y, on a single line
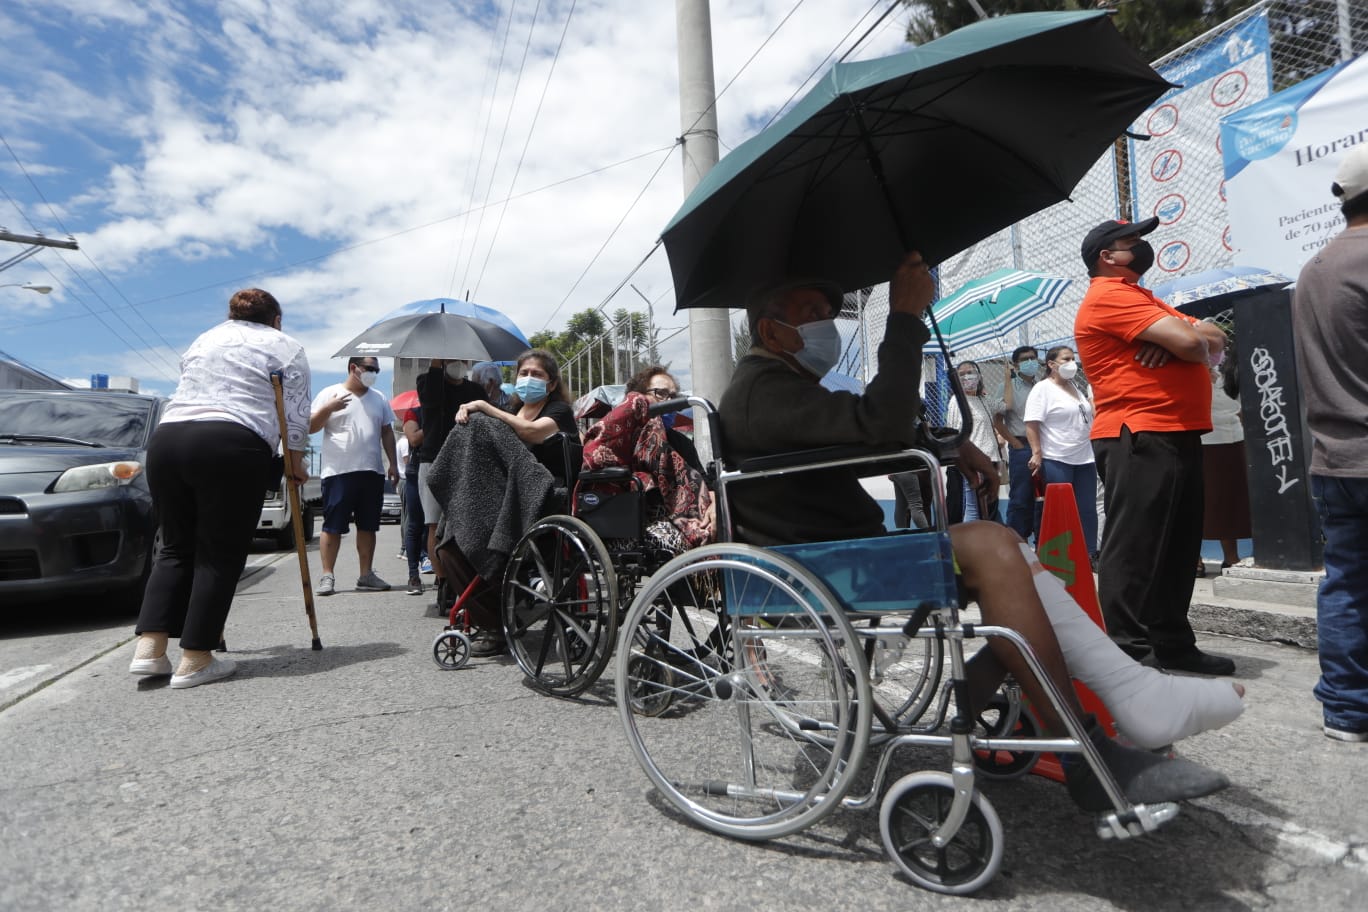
[(492, 490)]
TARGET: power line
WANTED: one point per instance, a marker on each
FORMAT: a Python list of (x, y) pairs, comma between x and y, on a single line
[(234, 280), (604, 245), (783, 107), (85, 253), (503, 135), (147, 346), (527, 142), (484, 140)]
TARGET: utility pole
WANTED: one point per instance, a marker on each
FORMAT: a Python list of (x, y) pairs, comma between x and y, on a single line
[(709, 328), (37, 242)]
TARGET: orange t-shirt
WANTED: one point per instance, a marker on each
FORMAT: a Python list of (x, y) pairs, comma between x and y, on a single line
[(1175, 397)]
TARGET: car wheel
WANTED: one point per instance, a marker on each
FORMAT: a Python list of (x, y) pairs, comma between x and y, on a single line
[(285, 538)]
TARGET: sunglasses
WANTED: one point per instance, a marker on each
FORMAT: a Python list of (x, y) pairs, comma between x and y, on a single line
[(662, 394), (370, 370)]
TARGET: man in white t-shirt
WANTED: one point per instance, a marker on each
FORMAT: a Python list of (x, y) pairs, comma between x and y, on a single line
[(355, 421)]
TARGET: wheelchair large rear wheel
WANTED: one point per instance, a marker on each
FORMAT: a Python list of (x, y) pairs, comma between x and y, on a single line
[(768, 698), (560, 606)]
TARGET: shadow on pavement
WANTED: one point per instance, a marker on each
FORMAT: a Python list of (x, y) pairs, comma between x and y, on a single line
[(1200, 860), (296, 661)]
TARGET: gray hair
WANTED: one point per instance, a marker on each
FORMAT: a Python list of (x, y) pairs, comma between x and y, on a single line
[(486, 372)]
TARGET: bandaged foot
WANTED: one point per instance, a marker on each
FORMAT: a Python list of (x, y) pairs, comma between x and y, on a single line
[(192, 660), (1151, 709)]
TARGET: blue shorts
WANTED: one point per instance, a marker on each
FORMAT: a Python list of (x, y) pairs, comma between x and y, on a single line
[(358, 494)]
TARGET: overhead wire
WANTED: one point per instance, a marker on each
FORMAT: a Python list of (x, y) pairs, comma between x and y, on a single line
[(497, 69), (503, 135), (650, 180), (527, 142), (350, 247), (687, 132), (146, 345)]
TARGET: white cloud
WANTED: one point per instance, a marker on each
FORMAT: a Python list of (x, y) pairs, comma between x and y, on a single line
[(222, 133)]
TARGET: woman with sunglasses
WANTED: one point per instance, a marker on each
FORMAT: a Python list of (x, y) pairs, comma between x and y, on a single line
[(1058, 422), (679, 505)]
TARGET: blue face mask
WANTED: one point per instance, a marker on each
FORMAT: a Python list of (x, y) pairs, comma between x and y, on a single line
[(821, 346), (530, 389), (668, 419), (1028, 367)]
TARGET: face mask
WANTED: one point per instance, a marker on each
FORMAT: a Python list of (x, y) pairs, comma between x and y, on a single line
[(1067, 369), (530, 389), (368, 378), (453, 371), (1143, 255), (821, 346), (668, 419), (1028, 367), (970, 382)]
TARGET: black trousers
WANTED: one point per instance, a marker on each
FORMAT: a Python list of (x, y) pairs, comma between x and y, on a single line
[(1152, 485), (207, 480)]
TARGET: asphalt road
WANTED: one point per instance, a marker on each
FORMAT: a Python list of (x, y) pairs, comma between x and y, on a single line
[(363, 777)]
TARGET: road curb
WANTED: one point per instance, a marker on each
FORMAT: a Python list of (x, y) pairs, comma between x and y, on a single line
[(1274, 624)]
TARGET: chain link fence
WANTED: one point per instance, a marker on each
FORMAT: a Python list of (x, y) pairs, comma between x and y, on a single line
[(1175, 175)]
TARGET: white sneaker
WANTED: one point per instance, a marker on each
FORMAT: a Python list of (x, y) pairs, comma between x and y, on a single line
[(326, 584), (217, 669), (161, 665)]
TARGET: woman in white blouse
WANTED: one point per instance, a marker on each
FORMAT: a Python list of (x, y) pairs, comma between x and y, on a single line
[(1058, 423), (982, 408), (208, 464)]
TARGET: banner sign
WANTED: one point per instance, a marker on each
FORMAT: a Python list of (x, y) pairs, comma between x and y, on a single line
[(1280, 159), (1176, 174)]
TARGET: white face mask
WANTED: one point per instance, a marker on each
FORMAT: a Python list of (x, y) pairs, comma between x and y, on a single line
[(1067, 370), (453, 370), (368, 378), (821, 346)]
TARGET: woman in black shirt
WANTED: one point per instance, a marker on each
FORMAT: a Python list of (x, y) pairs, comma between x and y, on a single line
[(540, 405)]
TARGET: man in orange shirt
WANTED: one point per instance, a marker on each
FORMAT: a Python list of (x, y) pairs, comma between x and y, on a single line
[(1148, 366)]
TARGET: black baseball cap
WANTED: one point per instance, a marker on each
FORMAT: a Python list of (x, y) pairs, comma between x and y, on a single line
[(1100, 238)]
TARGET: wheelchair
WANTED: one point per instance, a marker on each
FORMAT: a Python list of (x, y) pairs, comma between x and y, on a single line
[(753, 684), (571, 576), (559, 557)]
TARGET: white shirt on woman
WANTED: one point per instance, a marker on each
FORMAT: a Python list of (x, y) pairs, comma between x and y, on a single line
[(226, 376), (1065, 422)]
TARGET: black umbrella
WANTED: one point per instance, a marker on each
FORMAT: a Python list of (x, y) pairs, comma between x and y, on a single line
[(933, 149), (436, 335)]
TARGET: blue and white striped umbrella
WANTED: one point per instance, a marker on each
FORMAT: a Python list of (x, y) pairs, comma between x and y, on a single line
[(992, 306)]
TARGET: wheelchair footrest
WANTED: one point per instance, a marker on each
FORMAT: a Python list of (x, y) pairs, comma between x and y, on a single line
[(1139, 820)]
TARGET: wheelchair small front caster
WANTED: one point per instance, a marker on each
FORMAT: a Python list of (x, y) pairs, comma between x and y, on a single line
[(914, 809), (451, 650)]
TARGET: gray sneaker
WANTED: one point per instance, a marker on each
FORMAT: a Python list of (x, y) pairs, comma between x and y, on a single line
[(371, 583), (326, 585)]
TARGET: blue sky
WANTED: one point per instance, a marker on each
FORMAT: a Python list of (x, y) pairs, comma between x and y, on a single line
[(351, 156)]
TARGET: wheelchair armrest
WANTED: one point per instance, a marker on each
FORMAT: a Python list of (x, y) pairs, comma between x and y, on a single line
[(808, 457), (611, 473)]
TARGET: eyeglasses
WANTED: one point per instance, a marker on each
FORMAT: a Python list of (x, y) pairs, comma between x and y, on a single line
[(662, 394)]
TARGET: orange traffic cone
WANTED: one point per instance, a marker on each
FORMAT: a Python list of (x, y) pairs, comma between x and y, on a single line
[(1064, 553)]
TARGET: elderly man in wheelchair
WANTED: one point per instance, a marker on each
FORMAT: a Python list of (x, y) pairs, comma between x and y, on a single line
[(775, 405)]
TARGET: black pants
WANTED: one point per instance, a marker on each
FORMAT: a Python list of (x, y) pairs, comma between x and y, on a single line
[(1152, 485), (207, 480)]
